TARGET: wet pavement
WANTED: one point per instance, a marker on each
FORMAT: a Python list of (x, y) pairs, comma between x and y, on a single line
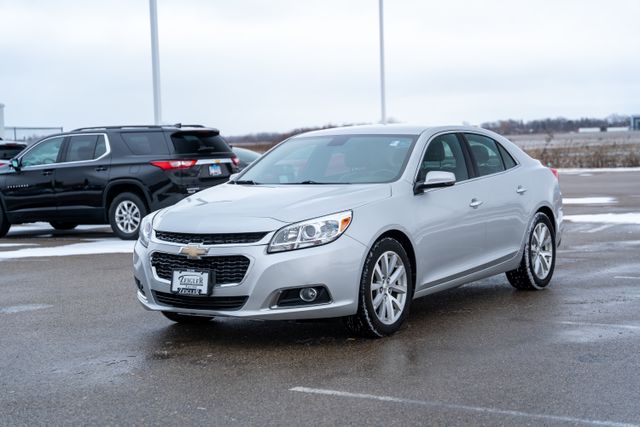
[(76, 347)]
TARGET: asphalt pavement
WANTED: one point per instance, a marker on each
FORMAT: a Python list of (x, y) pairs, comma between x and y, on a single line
[(77, 348)]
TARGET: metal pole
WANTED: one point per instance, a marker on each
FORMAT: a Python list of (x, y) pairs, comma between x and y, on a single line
[(155, 63), (383, 106)]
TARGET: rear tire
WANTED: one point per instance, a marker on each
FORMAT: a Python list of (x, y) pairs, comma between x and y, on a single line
[(4, 223), (538, 258), (186, 319), (125, 215), (59, 225), (386, 291)]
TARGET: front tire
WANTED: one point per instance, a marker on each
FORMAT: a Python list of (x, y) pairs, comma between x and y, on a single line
[(186, 319), (386, 291), (538, 258), (125, 214), (5, 225)]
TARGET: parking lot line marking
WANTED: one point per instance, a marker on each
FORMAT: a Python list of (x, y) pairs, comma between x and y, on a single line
[(467, 408), (599, 325), (627, 277), (20, 308)]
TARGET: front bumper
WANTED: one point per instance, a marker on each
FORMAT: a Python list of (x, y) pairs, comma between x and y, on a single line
[(336, 265)]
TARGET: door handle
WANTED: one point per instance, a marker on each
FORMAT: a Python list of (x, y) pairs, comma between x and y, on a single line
[(521, 189), (47, 172), (101, 168), (475, 203)]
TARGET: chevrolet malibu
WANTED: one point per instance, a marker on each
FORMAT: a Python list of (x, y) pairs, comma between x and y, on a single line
[(353, 222)]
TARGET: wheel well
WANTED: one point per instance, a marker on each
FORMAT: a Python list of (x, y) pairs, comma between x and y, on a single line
[(548, 212), (124, 188), (406, 244)]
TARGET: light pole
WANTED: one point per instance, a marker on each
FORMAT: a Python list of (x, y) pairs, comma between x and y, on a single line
[(383, 106), (155, 63)]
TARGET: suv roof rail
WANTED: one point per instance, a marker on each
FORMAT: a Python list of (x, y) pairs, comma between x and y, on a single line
[(177, 125)]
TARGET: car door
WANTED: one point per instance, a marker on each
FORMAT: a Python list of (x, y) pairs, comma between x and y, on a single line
[(28, 192), (81, 178), (450, 226), (503, 196)]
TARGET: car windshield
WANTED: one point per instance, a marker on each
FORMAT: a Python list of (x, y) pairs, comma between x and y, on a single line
[(338, 159)]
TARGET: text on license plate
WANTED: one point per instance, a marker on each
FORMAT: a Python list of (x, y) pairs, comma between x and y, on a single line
[(190, 282)]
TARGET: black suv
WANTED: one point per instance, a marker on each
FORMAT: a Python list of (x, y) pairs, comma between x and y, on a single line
[(111, 175)]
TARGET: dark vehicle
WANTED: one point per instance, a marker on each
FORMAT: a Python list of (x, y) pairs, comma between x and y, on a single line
[(245, 156), (111, 175), (9, 149)]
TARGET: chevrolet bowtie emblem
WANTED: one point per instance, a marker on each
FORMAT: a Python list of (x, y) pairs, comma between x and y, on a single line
[(193, 251)]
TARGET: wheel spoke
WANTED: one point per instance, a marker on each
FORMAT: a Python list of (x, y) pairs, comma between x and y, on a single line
[(378, 300), (392, 263), (375, 286), (398, 289), (377, 271), (396, 274), (389, 308), (385, 265)]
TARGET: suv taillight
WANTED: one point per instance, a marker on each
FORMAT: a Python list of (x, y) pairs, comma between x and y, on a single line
[(235, 160), (555, 173), (174, 164)]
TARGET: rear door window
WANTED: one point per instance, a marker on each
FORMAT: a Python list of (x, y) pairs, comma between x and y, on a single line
[(145, 143), (9, 151), (81, 148), (506, 157), (199, 143), (485, 154)]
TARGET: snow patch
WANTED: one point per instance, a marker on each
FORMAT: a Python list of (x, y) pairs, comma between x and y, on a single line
[(97, 246), (13, 245), (589, 200), (573, 171), (607, 218)]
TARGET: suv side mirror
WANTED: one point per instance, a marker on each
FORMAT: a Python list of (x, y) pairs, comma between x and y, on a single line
[(16, 164), (434, 179)]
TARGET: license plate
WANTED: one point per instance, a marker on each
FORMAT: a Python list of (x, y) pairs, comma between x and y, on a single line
[(215, 170), (191, 282)]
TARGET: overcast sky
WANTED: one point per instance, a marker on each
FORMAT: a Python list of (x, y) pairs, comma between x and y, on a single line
[(249, 65)]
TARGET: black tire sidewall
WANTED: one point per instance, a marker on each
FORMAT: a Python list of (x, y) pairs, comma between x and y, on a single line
[(63, 226), (367, 310), (4, 223), (112, 217), (537, 282)]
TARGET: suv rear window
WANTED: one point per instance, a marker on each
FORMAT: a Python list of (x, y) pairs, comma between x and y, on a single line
[(143, 143), (199, 143), (9, 151)]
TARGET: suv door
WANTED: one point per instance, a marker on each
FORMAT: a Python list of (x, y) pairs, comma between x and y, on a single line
[(502, 194), (81, 178), (450, 228), (28, 192)]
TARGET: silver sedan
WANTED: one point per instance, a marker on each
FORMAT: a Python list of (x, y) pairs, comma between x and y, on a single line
[(353, 222)]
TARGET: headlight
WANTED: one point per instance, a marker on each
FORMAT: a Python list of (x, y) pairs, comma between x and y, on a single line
[(146, 229), (313, 232)]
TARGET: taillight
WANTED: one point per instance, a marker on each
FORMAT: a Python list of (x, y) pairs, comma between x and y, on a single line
[(174, 164), (555, 173), (235, 160)]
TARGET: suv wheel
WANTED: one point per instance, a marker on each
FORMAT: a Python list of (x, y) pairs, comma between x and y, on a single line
[(386, 290), (4, 223), (539, 258), (125, 214), (59, 225)]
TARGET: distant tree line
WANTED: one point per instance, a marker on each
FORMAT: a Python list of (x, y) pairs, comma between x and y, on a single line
[(551, 126), (505, 127)]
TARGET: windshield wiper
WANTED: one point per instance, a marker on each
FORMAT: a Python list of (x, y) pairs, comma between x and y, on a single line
[(244, 182), (312, 182)]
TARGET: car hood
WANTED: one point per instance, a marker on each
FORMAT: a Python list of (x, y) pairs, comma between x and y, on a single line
[(232, 208)]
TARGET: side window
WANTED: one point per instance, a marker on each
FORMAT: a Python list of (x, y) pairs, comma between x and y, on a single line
[(485, 154), (145, 143), (506, 157), (444, 153), (44, 153), (81, 148)]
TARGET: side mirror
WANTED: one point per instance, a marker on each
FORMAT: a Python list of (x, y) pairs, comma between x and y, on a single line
[(233, 176), (435, 179), (16, 164)]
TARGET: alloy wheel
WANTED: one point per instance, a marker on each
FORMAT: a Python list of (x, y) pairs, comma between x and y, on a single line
[(127, 216), (389, 287), (541, 251)]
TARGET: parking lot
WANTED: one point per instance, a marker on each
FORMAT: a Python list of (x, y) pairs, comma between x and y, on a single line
[(77, 348)]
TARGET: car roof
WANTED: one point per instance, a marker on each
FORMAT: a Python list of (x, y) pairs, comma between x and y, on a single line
[(391, 129), (5, 142)]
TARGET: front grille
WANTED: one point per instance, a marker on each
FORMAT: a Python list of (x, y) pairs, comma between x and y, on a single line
[(200, 303), (228, 269), (210, 239)]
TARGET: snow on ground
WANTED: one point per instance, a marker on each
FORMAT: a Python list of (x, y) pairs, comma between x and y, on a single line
[(95, 246), (575, 171), (13, 245), (605, 218), (589, 200), (40, 226)]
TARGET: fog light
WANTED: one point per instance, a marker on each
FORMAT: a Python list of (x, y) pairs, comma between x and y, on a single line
[(308, 294)]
